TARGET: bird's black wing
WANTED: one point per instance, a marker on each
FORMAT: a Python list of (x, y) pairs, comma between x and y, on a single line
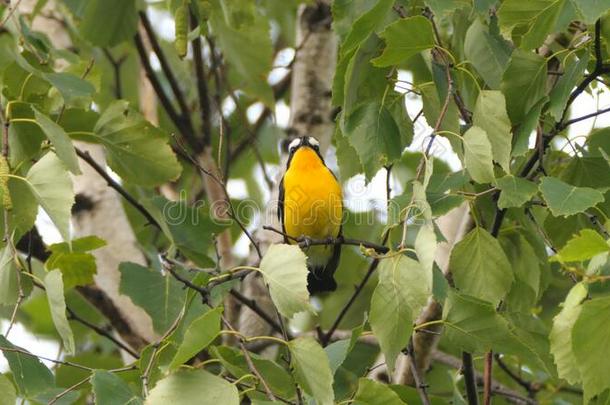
[(280, 207)]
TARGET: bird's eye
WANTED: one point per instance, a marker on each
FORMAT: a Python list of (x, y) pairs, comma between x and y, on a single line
[(316, 148)]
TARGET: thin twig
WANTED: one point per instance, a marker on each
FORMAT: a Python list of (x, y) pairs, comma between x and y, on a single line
[(420, 385), (165, 67), (249, 361), (11, 11), (202, 86), (372, 267), (230, 212), (530, 387), (204, 293), (156, 345), (100, 331), (116, 67), (584, 117), (183, 126)]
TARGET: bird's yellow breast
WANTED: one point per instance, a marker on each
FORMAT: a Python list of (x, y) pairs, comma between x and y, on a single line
[(312, 197)]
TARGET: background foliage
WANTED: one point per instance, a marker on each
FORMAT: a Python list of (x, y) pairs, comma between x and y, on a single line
[(525, 290)]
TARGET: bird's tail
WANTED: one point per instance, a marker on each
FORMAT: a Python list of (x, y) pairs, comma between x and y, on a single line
[(319, 281)]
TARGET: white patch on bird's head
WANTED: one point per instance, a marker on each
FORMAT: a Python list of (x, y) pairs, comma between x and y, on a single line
[(313, 141), (294, 145)]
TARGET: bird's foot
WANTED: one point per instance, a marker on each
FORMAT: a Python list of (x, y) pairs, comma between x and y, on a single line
[(305, 240)]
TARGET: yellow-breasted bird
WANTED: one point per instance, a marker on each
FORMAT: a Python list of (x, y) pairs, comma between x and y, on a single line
[(311, 205)]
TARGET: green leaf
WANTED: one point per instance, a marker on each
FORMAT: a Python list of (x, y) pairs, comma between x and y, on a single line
[(564, 199), (590, 337), (488, 52), (515, 191), (69, 85), (160, 296), (60, 140), (30, 375), (526, 128), (523, 83), (480, 268), (372, 393), (526, 267), (365, 24), (582, 247), (587, 172), (312, 369), (478, 155), (363, 81), (110, 389), (9, 396), (54, 287), (566, 83), (278, 379), (109, 22), (536, 18), (247, 47), (9, 288), (561, 335), (193, 387), (136, 150), (490, 115), (338, 351), (425, 247), (591, 10), (405, 38), (284, 268), (199, 334), (77, 266), (598, 141), (374, 135), (191, 229), (403, 289), (470, 324), (347, 157), (52, 188)]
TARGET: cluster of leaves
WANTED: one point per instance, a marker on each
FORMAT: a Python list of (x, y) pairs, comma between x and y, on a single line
[(528, 280)]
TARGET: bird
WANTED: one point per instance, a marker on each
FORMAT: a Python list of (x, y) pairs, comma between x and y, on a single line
[(310, 207)]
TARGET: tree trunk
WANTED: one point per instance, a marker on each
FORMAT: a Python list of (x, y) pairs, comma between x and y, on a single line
[(310, 114)]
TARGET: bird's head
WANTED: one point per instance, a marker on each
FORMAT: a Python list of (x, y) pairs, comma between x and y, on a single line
[(304, 150)]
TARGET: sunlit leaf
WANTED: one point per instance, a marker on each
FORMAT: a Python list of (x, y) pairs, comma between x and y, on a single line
[(561, 335), (490, 115), (478, 155), (54, 288), (199, 334), (51, 186), (582, 247), (188, 387), (312, 369), (284, 269)]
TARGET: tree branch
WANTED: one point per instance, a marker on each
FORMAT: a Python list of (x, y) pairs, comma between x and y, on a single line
[(116, 186), (167, 70), (305, 241)]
